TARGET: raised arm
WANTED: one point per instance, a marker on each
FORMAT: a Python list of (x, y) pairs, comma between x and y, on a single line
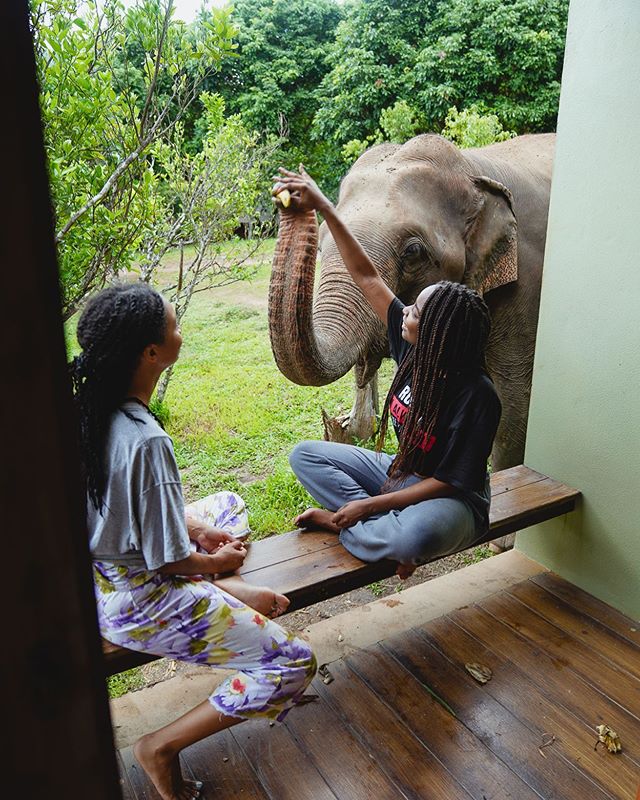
[(306, 196)]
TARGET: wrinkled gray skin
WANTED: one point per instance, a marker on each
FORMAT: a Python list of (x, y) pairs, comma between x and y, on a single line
[(426, 211)]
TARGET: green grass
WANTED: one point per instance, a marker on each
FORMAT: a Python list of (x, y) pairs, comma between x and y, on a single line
[(477, 554), (233, 417), (124, 682)]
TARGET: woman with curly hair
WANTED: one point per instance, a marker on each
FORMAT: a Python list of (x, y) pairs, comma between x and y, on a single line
[(432, 497), (150, 553)]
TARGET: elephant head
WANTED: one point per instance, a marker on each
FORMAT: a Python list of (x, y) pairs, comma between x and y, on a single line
[(423, 214)]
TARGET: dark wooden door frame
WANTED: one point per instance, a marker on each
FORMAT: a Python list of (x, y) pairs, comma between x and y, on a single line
[(54, 703)]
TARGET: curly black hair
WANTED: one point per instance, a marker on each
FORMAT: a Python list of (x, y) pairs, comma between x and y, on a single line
[(453, 331), (114, 328)]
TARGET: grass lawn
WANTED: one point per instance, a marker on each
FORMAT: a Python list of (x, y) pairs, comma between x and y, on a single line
[(232, 415)]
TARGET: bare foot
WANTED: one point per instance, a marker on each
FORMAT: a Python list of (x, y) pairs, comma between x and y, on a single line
[(261, 598), (405, 571), (317, 518), (162, 766)]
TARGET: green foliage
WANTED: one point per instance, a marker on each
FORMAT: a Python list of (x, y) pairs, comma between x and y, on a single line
[(399, 122), (101, 112), (377, 588), (371, 62), (503, 56), (476, 555), (470, 128), (273, 84)]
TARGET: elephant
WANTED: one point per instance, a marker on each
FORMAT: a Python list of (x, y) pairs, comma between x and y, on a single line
[(424, 211)]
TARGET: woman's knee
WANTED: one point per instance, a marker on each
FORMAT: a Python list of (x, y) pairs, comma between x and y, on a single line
[(301, 455), (299, 661)]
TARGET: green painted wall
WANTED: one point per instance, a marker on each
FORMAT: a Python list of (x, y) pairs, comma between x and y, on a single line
[(584, 423)]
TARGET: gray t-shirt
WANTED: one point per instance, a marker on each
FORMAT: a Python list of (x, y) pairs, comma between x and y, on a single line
[(142, 520)]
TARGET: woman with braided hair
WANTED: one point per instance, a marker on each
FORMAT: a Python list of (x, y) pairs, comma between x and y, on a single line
[(433, 497), (150, 553)]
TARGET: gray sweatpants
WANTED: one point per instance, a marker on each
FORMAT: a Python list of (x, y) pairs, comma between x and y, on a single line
[(335, 474)]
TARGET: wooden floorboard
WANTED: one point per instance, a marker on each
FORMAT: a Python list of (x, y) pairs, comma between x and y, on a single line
[(125, 784), (472, 764), (226, 771), (511, 687), (502, 732), (396, 748), (606, 615), (348, 768), (590, 664), (587, 630), (404, 719), (281, 766), (553, 676)]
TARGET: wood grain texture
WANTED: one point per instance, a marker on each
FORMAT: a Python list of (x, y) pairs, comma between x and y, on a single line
[(404, 719), (553, 676), (281, 766), (511, 687), (396, 749), (501, 731), (224, 768), (470, 761), (605, 614), (347, 767), (592, 666)]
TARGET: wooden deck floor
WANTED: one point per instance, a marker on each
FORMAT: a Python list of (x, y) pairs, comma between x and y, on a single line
[(404, 719)]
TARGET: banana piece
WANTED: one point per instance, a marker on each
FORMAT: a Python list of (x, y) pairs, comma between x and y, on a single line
[(284, 197)]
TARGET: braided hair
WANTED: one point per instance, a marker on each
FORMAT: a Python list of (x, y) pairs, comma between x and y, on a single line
[(453, 331), (114, 328)]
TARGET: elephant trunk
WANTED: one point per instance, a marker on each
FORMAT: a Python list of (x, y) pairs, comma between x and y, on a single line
[(310, 347)]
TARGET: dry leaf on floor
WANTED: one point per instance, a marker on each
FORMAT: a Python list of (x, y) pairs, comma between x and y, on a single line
[(547, 739), (478, 671), (323, 672), (608, 737)]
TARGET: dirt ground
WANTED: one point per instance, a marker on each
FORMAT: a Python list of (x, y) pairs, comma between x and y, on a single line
[(161, 670)]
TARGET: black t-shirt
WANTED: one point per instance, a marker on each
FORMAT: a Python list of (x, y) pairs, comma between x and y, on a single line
[(461, 443)]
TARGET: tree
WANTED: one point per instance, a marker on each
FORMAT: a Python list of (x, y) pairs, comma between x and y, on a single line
[(470, 128), (274, 82), (502, 56), (101, 114), (203, 198), (371, 62)]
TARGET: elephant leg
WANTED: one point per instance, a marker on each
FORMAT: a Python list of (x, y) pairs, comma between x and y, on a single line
[(359, 424)]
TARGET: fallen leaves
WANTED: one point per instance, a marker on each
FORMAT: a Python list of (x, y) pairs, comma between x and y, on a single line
[(323, 672), (478, 671), (609, 738), (547, 740)]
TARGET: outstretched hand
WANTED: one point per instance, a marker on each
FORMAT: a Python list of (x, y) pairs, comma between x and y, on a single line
[(304, 191)]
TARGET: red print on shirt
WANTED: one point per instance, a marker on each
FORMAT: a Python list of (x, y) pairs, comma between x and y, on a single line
[(399, 412)]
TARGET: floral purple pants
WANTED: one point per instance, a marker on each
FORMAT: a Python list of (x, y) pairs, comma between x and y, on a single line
[(191, 619)]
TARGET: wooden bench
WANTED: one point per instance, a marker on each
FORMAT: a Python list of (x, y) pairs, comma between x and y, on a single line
[(309, 566)]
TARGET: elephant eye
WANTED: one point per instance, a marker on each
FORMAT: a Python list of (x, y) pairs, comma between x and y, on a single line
[(414, 250)]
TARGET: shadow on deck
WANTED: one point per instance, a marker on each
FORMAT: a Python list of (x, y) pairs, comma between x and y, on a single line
[(404, 719)]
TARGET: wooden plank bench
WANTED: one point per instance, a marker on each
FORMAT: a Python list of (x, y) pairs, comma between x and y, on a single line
[(309, 566)]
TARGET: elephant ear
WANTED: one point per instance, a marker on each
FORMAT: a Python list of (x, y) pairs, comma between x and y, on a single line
[(491, 240)]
